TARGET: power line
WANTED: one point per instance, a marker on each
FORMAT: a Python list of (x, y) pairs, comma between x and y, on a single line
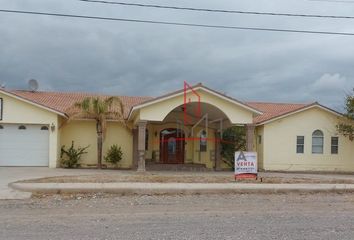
[(218, 10), (176, 23)]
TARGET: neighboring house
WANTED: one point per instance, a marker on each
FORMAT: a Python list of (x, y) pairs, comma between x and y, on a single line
[(168, 130)]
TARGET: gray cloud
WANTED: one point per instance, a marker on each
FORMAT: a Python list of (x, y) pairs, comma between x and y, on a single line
[(142, 59)]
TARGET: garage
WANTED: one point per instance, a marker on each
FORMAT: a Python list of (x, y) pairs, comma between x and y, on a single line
[(24, 145)]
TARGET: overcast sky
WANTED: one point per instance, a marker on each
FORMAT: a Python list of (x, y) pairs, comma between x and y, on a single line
[(122, 58)]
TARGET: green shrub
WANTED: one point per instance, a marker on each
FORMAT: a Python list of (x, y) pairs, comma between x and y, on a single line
[(114, 154), (70, 158)]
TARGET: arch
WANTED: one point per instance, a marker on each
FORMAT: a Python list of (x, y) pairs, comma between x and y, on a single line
[(159, 109), (22, 127), (317, 142), (205, 108)]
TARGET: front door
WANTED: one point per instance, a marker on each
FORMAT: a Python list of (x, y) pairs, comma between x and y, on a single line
[(172, 146)]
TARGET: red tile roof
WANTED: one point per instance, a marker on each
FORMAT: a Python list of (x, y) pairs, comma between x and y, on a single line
[(62, 101), (273, 110)]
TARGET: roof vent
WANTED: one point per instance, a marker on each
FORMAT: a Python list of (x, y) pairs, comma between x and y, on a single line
[(33, 85)]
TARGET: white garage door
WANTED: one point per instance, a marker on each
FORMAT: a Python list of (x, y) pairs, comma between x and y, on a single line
[(24, 145)]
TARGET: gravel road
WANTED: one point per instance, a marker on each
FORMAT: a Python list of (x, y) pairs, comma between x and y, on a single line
[(248, 216)]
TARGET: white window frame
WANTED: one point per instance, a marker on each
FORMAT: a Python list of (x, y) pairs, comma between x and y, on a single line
[(300, 144), (335, 145), (321, 146), (203, 140)]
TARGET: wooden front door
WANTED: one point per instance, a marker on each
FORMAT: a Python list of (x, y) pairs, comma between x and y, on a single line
[(172, 146)]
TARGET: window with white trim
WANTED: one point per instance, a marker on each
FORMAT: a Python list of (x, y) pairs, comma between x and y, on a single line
[(203, 141), (334, 145), (317, 142), (300, 144)]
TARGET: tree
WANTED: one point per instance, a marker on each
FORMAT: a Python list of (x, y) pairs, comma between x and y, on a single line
[(233, 139), (100, 109), (346, 126)]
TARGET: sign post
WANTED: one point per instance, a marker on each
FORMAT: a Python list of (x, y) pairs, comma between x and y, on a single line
[(245, 165)]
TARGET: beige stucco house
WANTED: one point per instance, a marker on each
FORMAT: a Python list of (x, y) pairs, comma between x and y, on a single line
[(181, 127)]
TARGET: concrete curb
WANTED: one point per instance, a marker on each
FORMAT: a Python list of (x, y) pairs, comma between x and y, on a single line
[(135, 188)]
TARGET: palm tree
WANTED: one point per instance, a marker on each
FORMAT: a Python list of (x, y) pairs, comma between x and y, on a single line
[(100, 109)]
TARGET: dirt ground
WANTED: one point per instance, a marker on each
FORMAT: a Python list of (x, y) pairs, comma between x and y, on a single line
[(189, 178)]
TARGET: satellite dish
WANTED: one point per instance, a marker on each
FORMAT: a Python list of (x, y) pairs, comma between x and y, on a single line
[(33, 85)]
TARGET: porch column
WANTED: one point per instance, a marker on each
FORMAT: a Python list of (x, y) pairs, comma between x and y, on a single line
[(141, 145), (249, 137), (217, 151), (135, 148)]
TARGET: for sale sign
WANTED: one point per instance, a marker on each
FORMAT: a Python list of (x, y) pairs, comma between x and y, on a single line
[(245, 164)]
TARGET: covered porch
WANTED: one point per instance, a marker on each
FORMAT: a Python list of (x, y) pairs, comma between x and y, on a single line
[(186, 127)]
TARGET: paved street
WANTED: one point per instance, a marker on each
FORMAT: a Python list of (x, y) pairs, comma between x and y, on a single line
[(244, 216)]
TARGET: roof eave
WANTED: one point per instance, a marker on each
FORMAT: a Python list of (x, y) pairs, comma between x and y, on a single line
[(197, 87), (11, 94), (315, 104)]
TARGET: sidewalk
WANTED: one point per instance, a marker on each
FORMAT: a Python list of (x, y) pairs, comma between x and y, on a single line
[(129, 188)]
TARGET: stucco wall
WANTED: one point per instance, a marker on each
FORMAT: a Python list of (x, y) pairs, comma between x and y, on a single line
[(280, 144), (18, 112), (83, 133)]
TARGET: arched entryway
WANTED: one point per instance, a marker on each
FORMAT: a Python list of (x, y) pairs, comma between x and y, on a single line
[(172, 145), (193, 110)]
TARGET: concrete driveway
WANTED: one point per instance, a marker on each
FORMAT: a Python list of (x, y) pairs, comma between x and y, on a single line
[(13, 174)]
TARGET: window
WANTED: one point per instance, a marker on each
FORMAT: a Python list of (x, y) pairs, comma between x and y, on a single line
[(259, 139), (44, 128), (172, 145), (334, 145), (300, 142), (22, 127), (146, 139), (317, 142), (1, 127), (203, 141)]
